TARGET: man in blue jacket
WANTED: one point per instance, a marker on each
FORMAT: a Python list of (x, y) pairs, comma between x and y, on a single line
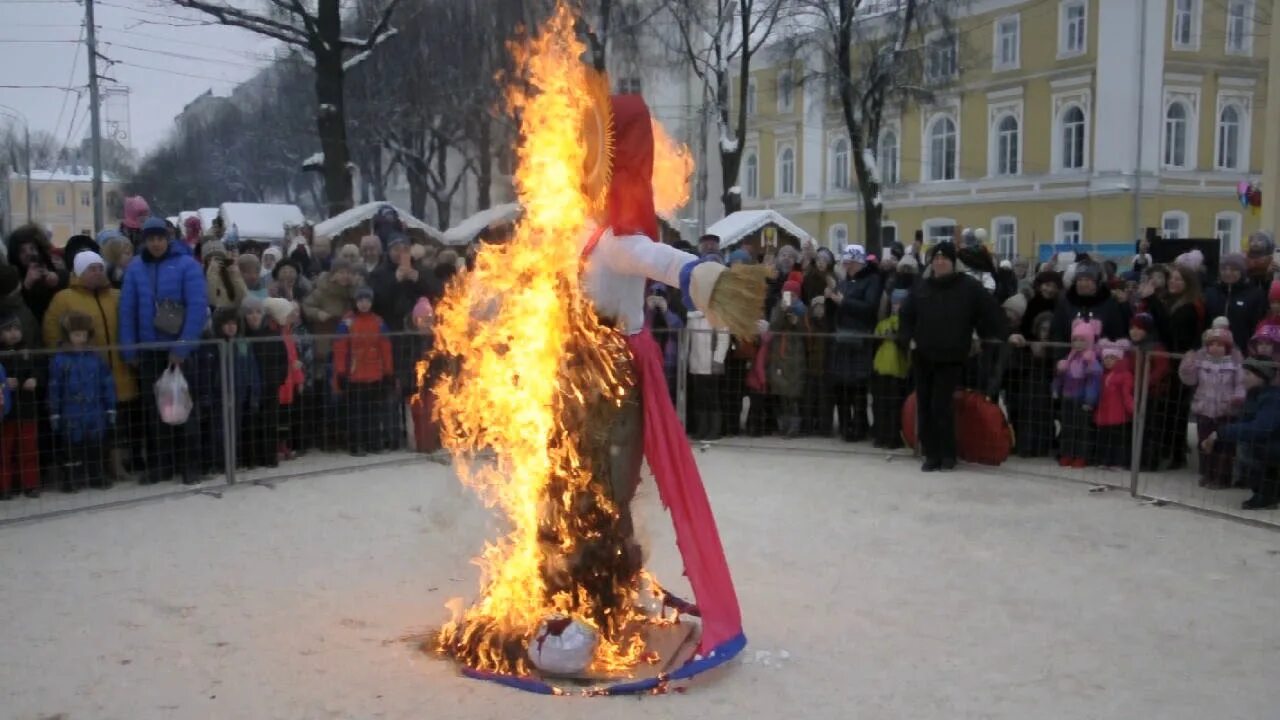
[(1256, 435), (163, 300)]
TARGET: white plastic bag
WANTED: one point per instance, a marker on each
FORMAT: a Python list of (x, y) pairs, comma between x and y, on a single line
[(173, 397), (563, 646)]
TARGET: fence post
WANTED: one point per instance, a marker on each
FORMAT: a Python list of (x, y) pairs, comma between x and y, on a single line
[(682, 373), (1141, 397), (229, 418)]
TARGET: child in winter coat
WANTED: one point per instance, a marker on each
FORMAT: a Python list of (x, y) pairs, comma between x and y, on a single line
[(1254, 438), (1115, 405), (82, 403), (363, 368), (1027, 390), (1265, 344), (283, 317), (891, 366), (19, 438), (787, 365), (260, 436), (1078, 384), (1273, 317), (1216, 372)]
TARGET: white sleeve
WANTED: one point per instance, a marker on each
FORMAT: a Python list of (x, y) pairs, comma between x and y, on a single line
[(638, 256), (722, 346)]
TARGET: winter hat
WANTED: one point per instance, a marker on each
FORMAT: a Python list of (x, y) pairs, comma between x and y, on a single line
[(1086, 330), (908, 264), (1219, 335), (273, 252), (945, 249), (224, 315), (1144, 322), (77, 322), (1233, 260), (279, 309), (155, 226), (740, 257), (1273, 294), (1133, 276), (76, 245), (972, 237), (10, 319), (1050, 277), (282, 264), (1006, 264), (1017, 302), (136, 211), (107, 236), (364, 292), (1193, 260), (1262, 368), (341, 265), (1087, 270), (1220, 323), (192, 226), (422, 311), (252, 303), (899, 296), (1261, 244), (9, 280), (86, 259), (212, 249), (896, 250), (797, 308), (1266, 333), (1113, 348), (792, 286), (397, 239), (854, 253)]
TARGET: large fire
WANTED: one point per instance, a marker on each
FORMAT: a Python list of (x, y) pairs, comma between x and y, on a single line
[(538, 381)]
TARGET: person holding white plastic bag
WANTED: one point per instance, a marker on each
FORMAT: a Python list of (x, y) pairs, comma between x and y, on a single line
[(164, 301)]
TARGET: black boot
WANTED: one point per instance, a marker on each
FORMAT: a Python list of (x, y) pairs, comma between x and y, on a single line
[(931, 465), (1259, 502)]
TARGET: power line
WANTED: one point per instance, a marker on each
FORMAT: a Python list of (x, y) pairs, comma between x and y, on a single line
[(7, 41), (40, 87), (175, 72), (74, 59), (181, 56)]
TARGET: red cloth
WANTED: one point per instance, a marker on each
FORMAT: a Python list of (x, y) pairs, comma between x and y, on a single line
[(20, 451), (362, 352), (758, 377), (680, 487), (1115, 403), (294, 378), (629, 204)]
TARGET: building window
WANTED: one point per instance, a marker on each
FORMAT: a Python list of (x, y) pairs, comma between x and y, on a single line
[(60, 197), (838, 237), (941, 58), (752, 171), (1175, 136), (840, 165), (85, 199), (1229, 136), (942, 149), (939, 230), (786, 93), (1007, 145), (1068, 228), (888, 234), (1008, 40), (888, 158), (629, 86), (1226, 227), (1005, 232), (1173, 225), (35, 198), (1072, 132), (1239, 27), (751, 97), (1186, 24), (787, 172), (1073, 28)]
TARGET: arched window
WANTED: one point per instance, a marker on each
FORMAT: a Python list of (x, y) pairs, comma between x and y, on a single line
[(942, 149), (1175, 135), (887, 158), (751, 168), (787, 172), (1073, 138), (1007, 146), (1229, 138), (840, 165)]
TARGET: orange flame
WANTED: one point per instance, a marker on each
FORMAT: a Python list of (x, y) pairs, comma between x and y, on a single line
[(672, 167)]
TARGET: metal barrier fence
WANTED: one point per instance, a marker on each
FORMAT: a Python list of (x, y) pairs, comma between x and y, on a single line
[(854, 386), (83, 429)]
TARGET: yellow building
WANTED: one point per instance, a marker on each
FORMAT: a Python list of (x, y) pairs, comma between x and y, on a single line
[(62, 203), (1051, 119)]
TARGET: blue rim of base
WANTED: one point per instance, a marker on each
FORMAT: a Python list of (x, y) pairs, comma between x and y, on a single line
[(722, 653)]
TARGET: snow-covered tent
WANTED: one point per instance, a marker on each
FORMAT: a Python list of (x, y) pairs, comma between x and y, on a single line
[(358, 218), (206, 219), (261, 222), (471, 228), (750, 225)]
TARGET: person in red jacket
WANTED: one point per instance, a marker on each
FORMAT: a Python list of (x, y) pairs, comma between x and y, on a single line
[(1115, 405), (362, 369)]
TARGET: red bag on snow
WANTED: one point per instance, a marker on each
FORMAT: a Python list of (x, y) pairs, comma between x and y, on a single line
[(983, 434)]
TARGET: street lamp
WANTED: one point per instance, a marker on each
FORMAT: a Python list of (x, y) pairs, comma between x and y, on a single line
[(26, 132)]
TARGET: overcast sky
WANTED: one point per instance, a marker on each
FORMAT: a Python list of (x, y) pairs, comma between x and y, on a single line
[(164, 55)]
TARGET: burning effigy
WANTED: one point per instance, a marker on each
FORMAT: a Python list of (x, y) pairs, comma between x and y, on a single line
[(558, 397)]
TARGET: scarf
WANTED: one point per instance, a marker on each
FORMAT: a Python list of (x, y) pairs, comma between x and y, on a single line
[(294, 379)]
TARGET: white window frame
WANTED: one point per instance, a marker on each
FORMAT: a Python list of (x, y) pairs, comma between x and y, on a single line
[(60, 198), (85, 199), (1246, 29), (935, 40), (888, 178), (1190, 22), (751, 97), (832, 241), (1243, 104), (1064, 51), (1059, 229), (886, 224), (926, 168), (1062, 104), (780, 189), (998, 61), (1183, 221), (996, 114), (1004, 253), (1190, 99), (834, 164), (1231, 244), (751, 181), (932, 223), (1175, 130), (787, 99)]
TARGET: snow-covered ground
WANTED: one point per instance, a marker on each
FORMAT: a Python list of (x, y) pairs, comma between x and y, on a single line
[(869, 590)]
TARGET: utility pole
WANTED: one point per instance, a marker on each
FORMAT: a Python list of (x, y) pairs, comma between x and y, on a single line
[(1137, 163), (94, 114)]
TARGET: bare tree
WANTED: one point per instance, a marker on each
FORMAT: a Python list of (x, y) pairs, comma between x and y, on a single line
[(317, 29), (45, 147), (719, 39)]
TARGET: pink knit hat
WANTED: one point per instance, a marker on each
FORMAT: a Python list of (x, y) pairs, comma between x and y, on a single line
[(1114, 348), (1087, 330), (136, 211), (1221, 335)]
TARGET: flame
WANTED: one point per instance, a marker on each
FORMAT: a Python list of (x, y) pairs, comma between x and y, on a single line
[(672, 167), (537, 378)]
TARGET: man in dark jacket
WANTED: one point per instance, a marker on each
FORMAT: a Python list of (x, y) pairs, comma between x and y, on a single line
[(30, 253), (940, 317), (1088, 299), (857, 303), (1232, 297)]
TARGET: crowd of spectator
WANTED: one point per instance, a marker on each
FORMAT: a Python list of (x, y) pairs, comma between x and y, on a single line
[(323, 349)]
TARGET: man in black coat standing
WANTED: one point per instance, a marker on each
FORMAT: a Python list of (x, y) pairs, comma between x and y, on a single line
[(1233, 297), (939, 319)]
